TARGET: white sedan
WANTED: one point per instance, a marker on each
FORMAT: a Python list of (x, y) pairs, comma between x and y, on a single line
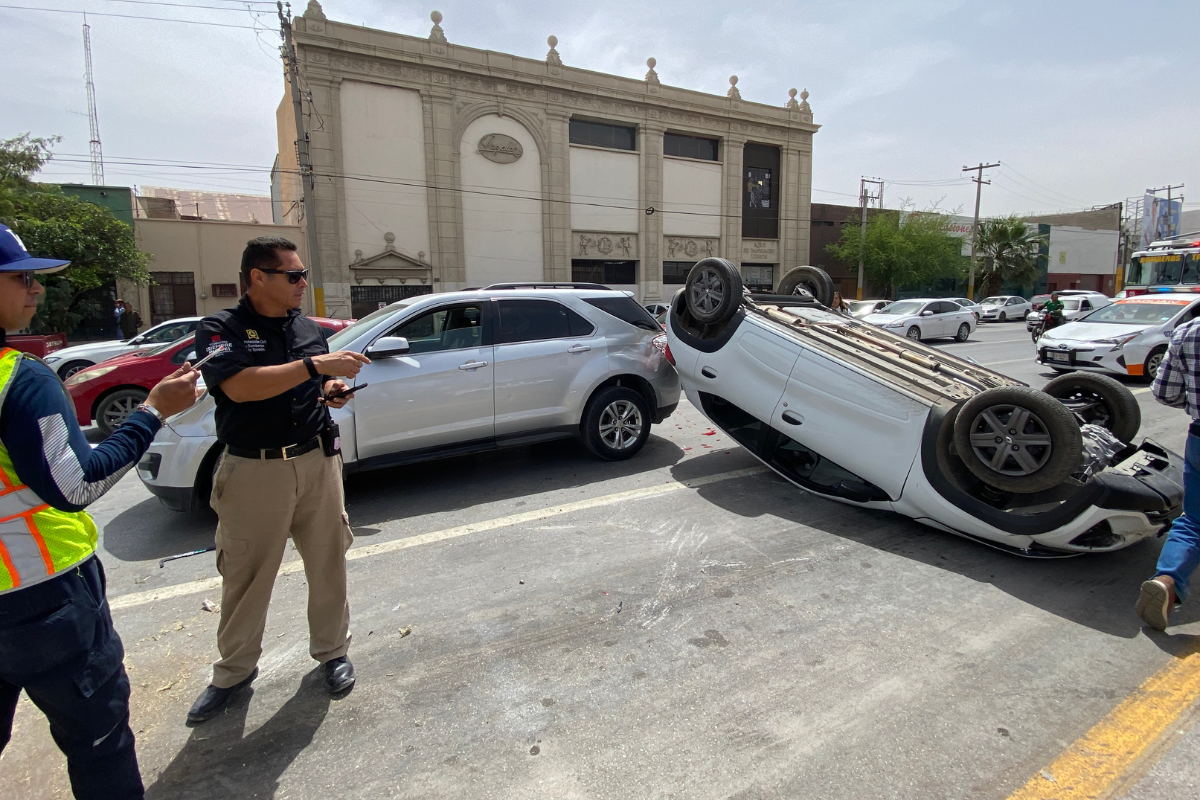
[(969, 305), (857, 415), (69, 360), (1128, 337), (925, 319), (1005, 307)]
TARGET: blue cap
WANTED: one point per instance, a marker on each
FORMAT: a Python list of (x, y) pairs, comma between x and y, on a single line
[(15, 258)]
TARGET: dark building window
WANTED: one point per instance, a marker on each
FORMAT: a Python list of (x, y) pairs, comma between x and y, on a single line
[(173, 294), (607, 272), (224, 290), (602, 134), (676, 144), (760, 194), (677, 271), (365, 299)]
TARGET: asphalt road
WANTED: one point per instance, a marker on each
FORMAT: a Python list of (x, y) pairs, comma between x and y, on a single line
[(671, 626)]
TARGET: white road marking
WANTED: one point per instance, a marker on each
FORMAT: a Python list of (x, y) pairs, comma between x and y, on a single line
[(1010, 361), (290, 567), (997, 341), (1141, 391)]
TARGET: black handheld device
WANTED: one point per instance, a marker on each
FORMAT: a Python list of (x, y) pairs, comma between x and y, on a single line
[(345, 392)]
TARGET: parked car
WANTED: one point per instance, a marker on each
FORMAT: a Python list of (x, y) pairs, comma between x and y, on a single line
[(864, 308), (1075, 306), (1003, 308), (112, 390), (969, 305), (1127, 337), (69, 360), (463, 372), (1037, 301), (856, 414), (925, 319)]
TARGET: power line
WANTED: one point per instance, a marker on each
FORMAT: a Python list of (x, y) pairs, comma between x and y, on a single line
[(1009, 168), (129, 16), (190, 5)]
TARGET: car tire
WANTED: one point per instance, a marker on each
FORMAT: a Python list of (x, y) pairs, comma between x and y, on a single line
[(913, 333), (713, 291), (115, 408), (813, 280), (71, 367), (616, 423), (1100, 400), (1003, 317), (964, 333), (1048, 438), (1153, 362)]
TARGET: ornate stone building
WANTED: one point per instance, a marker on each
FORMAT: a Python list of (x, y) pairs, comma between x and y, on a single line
[(441, 167)]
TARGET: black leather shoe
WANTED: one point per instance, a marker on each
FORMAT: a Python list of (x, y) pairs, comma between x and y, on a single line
[(339, 674), (213, 700)]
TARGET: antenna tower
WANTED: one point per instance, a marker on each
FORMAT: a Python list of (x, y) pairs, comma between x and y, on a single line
[(93, 121)]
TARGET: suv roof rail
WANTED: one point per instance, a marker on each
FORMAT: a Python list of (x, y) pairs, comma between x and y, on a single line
[(547, 285)]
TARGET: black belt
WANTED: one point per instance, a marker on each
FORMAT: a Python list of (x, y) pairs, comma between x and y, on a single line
[(291, 451)]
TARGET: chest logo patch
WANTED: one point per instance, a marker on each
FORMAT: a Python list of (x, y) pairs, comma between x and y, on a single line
[(251, 333)]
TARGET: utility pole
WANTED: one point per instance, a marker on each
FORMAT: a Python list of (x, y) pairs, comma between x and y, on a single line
[(93, 120), (862, 242), (307, 179), (1168, 190), (979, 182)]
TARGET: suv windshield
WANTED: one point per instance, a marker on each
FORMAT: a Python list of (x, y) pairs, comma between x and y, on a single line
[(1144, 313), (903, 307), (347, 334)]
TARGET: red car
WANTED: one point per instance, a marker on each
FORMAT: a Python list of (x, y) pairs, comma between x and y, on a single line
[(110, 391)]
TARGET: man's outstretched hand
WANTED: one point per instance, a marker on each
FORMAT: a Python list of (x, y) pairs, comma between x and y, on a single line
[(177, 392)]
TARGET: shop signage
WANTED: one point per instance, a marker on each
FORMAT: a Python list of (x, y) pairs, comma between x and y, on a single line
[(500, 148), (766, 250)]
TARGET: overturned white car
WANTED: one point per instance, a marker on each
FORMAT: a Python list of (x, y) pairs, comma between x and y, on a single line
[(859, 415)]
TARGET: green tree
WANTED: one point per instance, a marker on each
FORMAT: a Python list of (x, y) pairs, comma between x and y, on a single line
[(100, 247), (1009, 249), (902, 248)]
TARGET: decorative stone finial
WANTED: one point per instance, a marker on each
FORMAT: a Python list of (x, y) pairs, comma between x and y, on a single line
[(552, 57), (733, 93), (390, 240), (804, 106), (314, 10), (437, 34), (652, 76), (791, 103)]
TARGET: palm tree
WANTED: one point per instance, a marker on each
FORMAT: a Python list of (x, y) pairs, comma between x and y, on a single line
[(1009, 247)]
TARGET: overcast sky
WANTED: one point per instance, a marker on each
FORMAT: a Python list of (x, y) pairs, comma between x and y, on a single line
[(1083, 102)]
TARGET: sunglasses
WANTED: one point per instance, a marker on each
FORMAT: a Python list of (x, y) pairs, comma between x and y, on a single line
[(29, 278), (293, 275)]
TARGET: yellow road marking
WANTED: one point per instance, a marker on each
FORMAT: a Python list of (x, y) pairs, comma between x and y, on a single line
[(1090, 766), (1141, 391), (210, 584)]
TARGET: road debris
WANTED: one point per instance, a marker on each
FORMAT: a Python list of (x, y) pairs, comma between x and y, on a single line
[(210, 606)]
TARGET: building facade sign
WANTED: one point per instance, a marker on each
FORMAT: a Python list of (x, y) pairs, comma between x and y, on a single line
[(688, 248), (763, 250), (601, 245), (501, 148)]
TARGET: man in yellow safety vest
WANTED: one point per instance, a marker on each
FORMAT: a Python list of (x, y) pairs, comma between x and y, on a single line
[(57, 640)]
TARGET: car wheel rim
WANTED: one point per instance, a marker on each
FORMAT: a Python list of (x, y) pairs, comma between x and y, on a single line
[(72, 371), (914, 334), (1088, 406), (620, 424), (963, 332), (118, 411), (1011, 440), (708, 291), (1152, 365)]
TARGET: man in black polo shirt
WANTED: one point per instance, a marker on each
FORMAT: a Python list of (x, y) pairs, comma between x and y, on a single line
[(275, 478)]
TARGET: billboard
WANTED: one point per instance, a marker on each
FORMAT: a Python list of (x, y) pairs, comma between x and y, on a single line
[(1160, 219)]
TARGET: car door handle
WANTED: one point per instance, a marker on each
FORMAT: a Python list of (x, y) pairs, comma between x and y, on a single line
[(708, 372), (578, 348), (792, 418), (473, 365)]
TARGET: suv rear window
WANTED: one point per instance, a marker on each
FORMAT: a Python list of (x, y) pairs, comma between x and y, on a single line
[(536, 320), (626, 309)]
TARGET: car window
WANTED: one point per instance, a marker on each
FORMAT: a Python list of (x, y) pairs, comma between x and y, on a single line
[(186, 353), (451, 328), (1134, 313), (169, 332), (903, 308), (1015, 301), (537, 320), (625, 309), (948, 308)]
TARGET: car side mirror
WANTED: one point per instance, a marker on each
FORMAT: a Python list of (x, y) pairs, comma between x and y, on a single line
[(388, 346), (927, 313), (137, 340), (191, 357)]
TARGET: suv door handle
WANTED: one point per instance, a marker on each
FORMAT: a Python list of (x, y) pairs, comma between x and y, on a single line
[(578, 348), (473, 365), (792, 418)]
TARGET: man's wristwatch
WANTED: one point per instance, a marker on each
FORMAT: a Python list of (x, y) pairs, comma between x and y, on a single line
[(158, 414), (312, 369)]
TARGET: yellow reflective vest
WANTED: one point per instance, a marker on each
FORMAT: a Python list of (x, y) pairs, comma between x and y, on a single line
[(36, 541)]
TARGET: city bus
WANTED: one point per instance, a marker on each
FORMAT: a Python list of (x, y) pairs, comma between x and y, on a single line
[(1170, 265)]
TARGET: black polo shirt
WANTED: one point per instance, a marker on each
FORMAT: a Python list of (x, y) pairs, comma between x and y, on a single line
[(252, 340)]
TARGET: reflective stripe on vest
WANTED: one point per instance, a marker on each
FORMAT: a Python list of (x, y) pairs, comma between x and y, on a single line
[(36, 541)]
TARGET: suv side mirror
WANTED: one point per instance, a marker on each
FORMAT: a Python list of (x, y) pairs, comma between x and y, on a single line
[(388, 346)]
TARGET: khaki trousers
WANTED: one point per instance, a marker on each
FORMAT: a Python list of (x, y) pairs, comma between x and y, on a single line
[(260, 503)]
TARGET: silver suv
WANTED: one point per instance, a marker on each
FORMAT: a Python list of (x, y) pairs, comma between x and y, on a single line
[(461, 372)]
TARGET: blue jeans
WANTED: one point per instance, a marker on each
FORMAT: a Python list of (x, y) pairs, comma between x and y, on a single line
[(58, 644), (1181, 552)]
